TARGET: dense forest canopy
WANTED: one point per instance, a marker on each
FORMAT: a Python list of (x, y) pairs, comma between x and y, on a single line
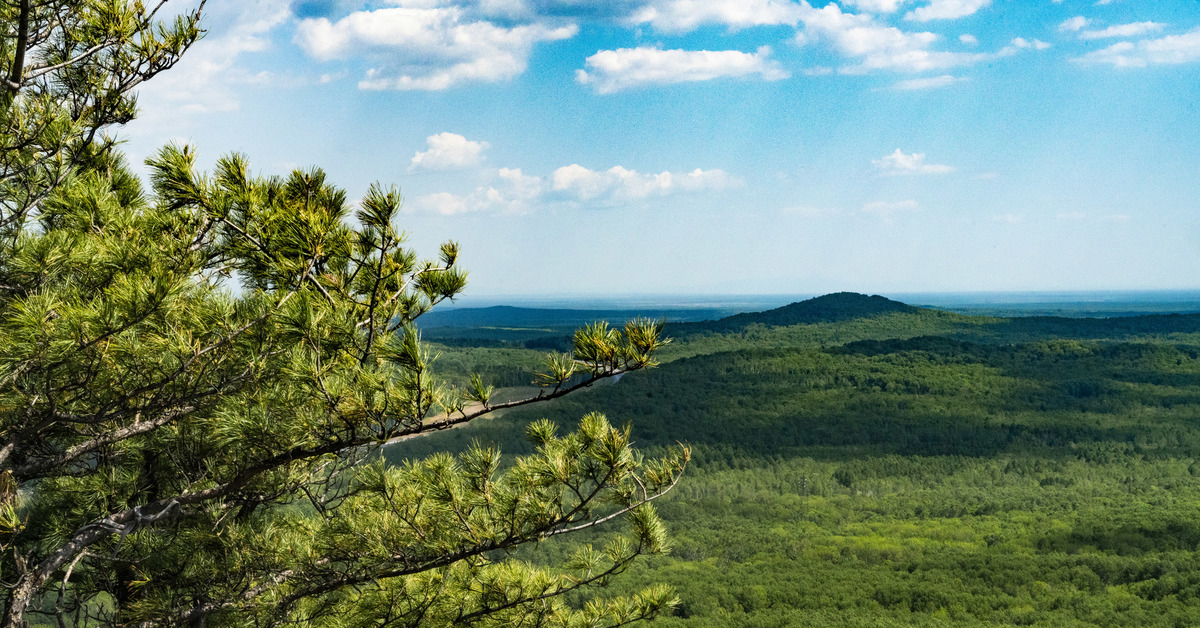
[(915, 467)]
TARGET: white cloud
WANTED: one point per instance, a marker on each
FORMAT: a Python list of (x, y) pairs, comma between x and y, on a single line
[(969, 39), (931, 82), (511, 192), (1172, 49), (899, 163), (448, 151), (887, 209), (686, 15), (877, 6), (426, 48), (613, 70), (621, 185), (1135, 29), (446, 203), (880, 47), (522, 186), (946, 10), (1074, 24), (512, 9), (1021, 42)]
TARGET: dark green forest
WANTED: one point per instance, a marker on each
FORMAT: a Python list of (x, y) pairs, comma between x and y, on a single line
[(861, 462)]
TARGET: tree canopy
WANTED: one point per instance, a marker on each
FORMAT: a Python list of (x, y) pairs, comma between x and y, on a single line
[(196, 375)]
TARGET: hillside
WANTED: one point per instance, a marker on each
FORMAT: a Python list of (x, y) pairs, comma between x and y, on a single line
[(831, 319), (860, 462), (830, 308)]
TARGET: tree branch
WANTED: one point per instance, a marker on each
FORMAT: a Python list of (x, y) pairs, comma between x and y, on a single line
[(14, 79)]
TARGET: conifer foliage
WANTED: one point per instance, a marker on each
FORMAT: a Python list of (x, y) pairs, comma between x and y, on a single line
[(195, 379)]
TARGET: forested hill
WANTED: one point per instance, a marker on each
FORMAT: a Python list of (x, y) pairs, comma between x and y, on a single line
[(831, 319), (830, 308), (847, 316)]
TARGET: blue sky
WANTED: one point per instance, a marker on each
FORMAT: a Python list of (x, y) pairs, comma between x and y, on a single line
[(585, 147)]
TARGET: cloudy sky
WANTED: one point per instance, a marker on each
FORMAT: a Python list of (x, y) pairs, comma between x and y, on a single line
[(591, 147)]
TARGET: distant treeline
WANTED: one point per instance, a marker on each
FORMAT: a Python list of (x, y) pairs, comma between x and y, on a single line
[(507, 316)]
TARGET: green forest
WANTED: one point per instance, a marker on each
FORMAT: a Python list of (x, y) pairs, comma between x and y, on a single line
[(857, 461)]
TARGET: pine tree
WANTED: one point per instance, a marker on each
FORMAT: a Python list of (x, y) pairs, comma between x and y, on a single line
[(195, 380)]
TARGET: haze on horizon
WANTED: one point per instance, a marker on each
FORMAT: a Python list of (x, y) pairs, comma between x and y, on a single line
[(728, 146)]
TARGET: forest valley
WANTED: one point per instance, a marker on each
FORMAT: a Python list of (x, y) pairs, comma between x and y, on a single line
[(861, 462)]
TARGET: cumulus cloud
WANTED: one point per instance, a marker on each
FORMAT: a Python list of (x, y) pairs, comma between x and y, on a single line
[(899, 163), (931, 82), (877, 6), (622, 185), (512, 9), (686, 15), (426, 48), (1021, 42), (447, 151), (446, 203), (858, 36), (1169, 50), (613, 70), (612, 11), (968, 39), (946, 10), (880, 47), (519, 185), (1074, 25), (875, 45), (511, 192), (1135, 29)]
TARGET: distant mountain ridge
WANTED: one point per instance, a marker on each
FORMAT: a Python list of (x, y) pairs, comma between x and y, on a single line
[(830, 308), (537, 328)]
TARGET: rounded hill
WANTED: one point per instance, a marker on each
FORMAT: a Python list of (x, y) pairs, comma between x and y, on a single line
[(830, 308)]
